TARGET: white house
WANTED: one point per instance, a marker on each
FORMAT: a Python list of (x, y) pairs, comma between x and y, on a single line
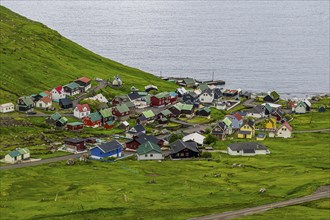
[(99, 97), (284, 131), (247, 149), (81, 111), (58, 93), (149, 151), (17, 155), (45, 102), (300, 108), (207, 96), (198, 138), (257, 111), (7, 107)]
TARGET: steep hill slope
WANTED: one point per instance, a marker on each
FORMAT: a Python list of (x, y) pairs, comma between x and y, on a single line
[(34, 58)]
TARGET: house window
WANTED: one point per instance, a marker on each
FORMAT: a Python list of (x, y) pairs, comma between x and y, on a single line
[(238, 151), (146, 155), (151, 155)]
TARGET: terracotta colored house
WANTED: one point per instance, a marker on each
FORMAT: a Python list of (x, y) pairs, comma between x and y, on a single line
[(93, 120), (160, 99), (121, 111), (75, 126)]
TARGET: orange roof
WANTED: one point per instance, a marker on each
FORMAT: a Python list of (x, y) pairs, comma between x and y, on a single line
[(83, 79), (47, 92), (46, 99)]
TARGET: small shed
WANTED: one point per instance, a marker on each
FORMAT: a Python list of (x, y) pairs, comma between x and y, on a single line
[(75, 126), (66, 103), (17, 155), (7, 107)]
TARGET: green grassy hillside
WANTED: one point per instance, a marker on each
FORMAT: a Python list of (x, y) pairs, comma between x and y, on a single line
[(34, 58)]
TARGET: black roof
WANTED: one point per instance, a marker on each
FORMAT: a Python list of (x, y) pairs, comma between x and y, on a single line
[(134, 95), (142, 138), (258, 109), (139, 128), (250, 123), (179, 145), (65, 101), (247, 146), (110, 146), (208, 91), (74, 140)]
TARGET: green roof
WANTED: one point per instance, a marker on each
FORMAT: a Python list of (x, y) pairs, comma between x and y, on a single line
[(63, 120), (43, 94), (19, 152), (106, 113), (129, 104), (148, 147), (27, 100), (181, 106), (203, 86), (302, 104), (75, 123), (72, 85), (110, 122), (166, 112), (56, 116), (95, 116), (227, 121), (148, 114), (143, 93), (189, 81), (207, 109), (275, 95), (162, 95), (122, 108)]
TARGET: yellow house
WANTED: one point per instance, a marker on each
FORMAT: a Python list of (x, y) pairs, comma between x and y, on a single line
[(270, 123), (247, 130)]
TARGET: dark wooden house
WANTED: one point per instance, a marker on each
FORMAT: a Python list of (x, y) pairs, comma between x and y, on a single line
[(75, 144), (180, 149), (66, 103)]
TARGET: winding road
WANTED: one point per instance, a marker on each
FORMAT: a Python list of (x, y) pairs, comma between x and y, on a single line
[(39, 162), (321, 194)]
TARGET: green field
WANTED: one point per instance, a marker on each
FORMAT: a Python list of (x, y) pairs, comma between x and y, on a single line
[(34, 58), (171, 189)]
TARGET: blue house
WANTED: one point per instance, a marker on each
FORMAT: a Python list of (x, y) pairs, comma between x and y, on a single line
[(108, 149)]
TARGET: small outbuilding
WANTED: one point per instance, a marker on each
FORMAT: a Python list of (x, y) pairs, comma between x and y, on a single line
[(66, 103), (7, 107), (181, 149), (75, 126), (17, 155)]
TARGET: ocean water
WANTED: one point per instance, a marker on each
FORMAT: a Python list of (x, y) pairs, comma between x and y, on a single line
[(253, 45)]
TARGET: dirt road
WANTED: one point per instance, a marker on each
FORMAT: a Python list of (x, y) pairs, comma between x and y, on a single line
[(323, 192)]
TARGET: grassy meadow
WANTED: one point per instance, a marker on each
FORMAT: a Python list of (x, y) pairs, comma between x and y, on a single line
[(132, 189), (35, 58)]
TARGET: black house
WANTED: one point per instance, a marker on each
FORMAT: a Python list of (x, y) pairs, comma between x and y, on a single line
[(66, 103), (191, 96), (180, 149), (272, 97)]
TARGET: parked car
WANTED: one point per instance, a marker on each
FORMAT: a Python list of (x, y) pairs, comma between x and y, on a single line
[(31, 113)]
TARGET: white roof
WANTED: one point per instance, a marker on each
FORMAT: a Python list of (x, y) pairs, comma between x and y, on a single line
[(125, 123), (198, 138), (272, 105), (198, 91), (307, 102), (182, 90), (100, 97), (7, 105)]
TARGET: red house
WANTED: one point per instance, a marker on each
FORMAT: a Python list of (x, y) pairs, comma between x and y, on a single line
[(109, 124), (141, 139), (160, 99), (173, 97), (121, 111), (75, 126), (92, 120), (75, 144)]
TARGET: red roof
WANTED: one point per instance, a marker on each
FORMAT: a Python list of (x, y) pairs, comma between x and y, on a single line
[(238, 116), (81, 107), (286, 124), (59, 89), (83, 79), (46, 99)]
